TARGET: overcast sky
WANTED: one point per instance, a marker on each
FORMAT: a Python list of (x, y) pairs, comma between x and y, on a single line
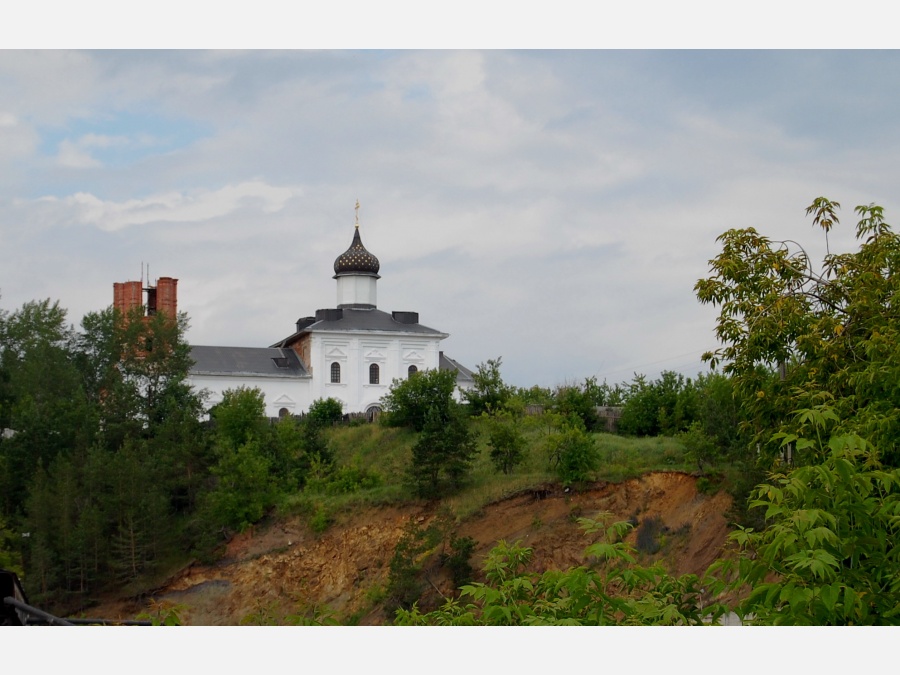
[(554, 208)]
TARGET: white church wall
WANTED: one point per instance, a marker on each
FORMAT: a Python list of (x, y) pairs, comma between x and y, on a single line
[(355, 355), (290, 394)]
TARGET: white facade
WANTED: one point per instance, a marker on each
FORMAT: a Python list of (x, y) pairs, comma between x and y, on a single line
[(355, 355), (290, 396), (352, 353)]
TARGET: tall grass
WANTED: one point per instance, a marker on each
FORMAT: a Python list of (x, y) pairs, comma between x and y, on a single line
[(387, 452)]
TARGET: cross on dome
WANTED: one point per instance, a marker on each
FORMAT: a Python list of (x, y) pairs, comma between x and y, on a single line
[(356, 259)]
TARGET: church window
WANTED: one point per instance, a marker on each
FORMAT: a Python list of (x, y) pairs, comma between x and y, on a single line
[(412, 371), (373, 374), (335, 373)]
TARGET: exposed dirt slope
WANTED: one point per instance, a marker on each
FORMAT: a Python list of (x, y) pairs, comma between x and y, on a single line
[(286, 569)]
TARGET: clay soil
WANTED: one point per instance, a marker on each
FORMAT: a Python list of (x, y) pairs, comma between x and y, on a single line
[(284, 569)]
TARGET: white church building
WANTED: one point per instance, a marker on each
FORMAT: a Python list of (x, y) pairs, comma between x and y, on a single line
[(351, 353)]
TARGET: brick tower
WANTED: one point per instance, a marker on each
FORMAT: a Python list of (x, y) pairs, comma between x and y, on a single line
[(163, 297)]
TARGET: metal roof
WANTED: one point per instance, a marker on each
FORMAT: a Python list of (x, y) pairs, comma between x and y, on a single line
[(253, 361), (360, 320), (356, 259), (462, 373)]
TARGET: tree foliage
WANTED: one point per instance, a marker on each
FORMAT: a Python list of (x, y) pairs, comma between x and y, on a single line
[(106, 455), (240, 417), (573, 400), (796, 335), (325, 411), (489, 392), (445, 449), (443, 454), (813, 354), (573, 452), (614, 591), (506, 441), (828, 555), (410, 402)]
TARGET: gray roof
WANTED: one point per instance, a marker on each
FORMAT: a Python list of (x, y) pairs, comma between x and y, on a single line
[(352, 319), (258, 361), (463, 374)]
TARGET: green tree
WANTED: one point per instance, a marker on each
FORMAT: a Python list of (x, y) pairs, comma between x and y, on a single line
[(667, 405), (489, 392), (443, 455), (325, 411), (506, 441), (244, 489), (10, 558), (535, 395), (795, 334), (240, 416), (603, 394), (812, 354), (413, 548), (246, 448), (575, 400), (410, 402), (317, 459), (619, 592), (42, 397), (828, 553), (573, 452)]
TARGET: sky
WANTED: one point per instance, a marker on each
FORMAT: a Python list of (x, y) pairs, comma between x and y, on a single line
[(550, 207)]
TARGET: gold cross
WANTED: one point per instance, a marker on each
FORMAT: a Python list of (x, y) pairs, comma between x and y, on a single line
[(357, 213)]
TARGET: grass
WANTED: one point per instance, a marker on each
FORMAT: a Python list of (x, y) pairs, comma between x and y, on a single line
[(623, 457), (387, 451)]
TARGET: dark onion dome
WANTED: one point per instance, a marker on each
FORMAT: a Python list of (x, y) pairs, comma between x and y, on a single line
[(356, 259)]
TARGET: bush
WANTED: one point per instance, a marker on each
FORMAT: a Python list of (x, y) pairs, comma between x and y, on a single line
[(489, 393), (410, 402), (443, 455), (573, 453), (506, 442), (243, 489), (459, 561), (573, 400), (346, 480), (404, 585), (325, 412)]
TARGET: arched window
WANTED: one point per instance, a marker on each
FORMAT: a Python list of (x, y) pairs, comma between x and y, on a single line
[(412, 371), (335, 373), (284, 412), (373, 374)]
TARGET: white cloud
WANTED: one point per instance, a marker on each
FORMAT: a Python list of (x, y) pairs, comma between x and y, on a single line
[(76, 154), (551, 207), (176, 207), (73, 156)]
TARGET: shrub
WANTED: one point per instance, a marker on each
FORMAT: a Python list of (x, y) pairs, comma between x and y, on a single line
[(459, 561), (443, 455), (573, 454), (506, 441), (489, 393), (411, 401), (325, 412)]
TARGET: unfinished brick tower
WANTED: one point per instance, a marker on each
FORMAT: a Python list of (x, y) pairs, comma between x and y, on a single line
[(163, 297)]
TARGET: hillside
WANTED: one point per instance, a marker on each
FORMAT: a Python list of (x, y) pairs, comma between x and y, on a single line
[(282, 568)]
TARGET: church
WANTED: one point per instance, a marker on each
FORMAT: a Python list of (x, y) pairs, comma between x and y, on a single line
[(351, 352)]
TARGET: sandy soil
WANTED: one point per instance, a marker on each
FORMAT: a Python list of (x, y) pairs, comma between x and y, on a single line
[(285, 569)]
